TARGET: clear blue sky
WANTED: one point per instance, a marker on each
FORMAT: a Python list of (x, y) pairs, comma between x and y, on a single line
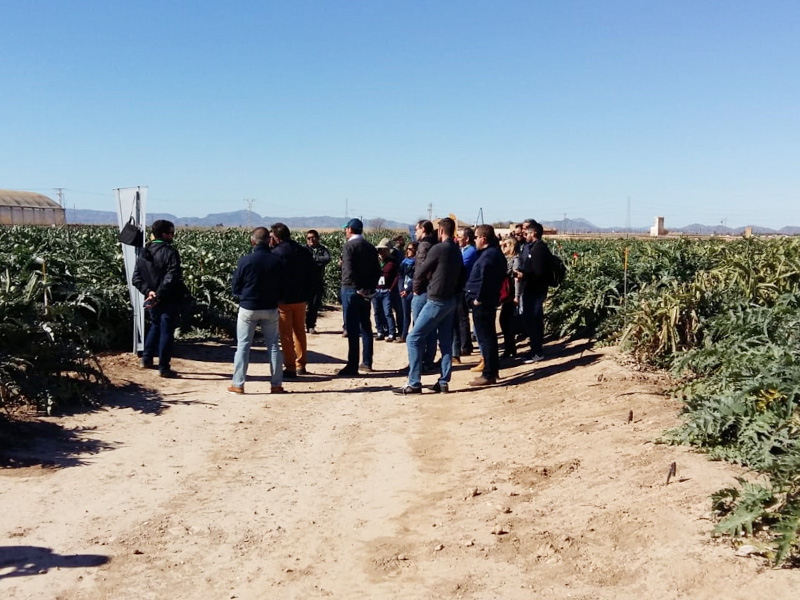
[(690, 109)]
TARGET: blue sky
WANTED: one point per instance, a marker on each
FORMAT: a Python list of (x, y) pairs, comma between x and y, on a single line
[(686, 109)]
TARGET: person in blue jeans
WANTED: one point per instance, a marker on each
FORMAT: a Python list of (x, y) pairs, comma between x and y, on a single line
[(258, 282), (443, 270), (360, 274), (405, 283), (387, 284)]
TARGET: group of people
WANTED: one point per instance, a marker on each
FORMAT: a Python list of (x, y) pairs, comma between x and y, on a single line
[(441, 290)]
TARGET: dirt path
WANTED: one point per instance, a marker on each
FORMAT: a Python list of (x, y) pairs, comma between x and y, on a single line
[(539, 488)]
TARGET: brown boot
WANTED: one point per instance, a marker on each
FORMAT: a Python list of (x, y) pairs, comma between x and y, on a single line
[(478, 368), (480, 381)]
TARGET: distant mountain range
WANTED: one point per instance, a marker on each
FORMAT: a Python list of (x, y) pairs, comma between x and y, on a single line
[(237, 218), (244, 218)]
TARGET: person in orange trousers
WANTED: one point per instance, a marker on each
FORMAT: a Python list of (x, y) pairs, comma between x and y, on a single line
[(297, 261)]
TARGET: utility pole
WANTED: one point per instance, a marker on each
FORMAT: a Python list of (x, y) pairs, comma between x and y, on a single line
[(249, 202), (564, 228), (628, 218), (60, 192), (430, 211), (346, 202)]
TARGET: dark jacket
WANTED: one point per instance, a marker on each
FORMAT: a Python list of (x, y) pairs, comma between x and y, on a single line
[(360, 267), (535, 260), (486, 277), (300, 271), (443, 270), (425, 244), (158, 269), (259, 279), (388, 274), (322, 257)]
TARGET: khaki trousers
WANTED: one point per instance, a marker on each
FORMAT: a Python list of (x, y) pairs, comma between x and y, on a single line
[(292, 326)]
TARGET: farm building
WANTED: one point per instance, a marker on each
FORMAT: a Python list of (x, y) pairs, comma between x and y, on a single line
[(29, 208)]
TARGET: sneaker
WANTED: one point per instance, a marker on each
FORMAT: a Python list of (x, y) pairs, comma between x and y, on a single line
[(401, 340), (287, 374), (379, 337), (235, 389), (147, 363), (534, 358), (277, 389), (480, 381), (347, 372), (312, 330), (168, 374), (389, 338), (366, 368), (407, 389), (440, 388)]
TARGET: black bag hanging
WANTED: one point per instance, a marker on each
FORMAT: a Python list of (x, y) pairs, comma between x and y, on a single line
[(131, 235)]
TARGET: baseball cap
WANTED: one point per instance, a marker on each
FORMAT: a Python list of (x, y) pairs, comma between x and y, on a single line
[(355, 224)]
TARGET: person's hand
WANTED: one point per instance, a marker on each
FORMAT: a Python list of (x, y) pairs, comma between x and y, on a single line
[(516, 301), (476, 303), (403, 294)]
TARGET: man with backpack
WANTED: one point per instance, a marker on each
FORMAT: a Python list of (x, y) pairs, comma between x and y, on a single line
[(534, 274)]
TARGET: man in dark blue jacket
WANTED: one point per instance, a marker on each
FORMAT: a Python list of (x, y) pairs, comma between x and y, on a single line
[(259, 282), (482, 294)]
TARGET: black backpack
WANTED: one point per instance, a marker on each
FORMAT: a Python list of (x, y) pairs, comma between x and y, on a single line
[(558, 270)]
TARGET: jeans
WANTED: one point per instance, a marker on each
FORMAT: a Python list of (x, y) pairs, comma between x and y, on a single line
[(533, 319), (163, 321), (417, 304), (434, 316), (508, 315), (356, 321), (486, 331), (384, 319), (246, 324), (293, 334), (406, 322)]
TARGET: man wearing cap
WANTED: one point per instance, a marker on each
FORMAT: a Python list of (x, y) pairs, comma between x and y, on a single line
[(384, 293), (360, 274)]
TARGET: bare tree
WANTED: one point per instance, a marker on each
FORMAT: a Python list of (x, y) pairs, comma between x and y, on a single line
[(376, 223)]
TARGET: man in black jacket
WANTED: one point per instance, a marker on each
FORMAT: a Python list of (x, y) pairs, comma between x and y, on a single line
[(482, 295), (159, 277), (360, 273), (258, 282), (426, 239), (534, 274), (300, 267), (443, 270), (321, 257)]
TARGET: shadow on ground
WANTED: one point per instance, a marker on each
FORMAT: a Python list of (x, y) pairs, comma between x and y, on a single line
[(24, 561), (28, 443)]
